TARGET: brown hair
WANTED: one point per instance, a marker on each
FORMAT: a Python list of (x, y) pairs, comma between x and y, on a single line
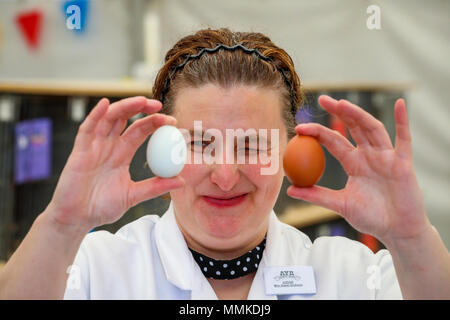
[(227, 68)]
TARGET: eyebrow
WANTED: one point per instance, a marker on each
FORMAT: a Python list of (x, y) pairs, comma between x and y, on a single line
[(261, 139)]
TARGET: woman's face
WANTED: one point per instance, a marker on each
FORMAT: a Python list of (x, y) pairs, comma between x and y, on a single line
[(213, 220)]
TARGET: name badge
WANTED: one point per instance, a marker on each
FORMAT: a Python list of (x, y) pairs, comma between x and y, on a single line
[(289, 280)]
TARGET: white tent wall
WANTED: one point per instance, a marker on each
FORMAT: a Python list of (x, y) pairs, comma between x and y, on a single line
[(330, 42), (101, 52)]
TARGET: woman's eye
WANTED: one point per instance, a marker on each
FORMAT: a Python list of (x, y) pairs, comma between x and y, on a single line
[(198, 145), (248, 149)]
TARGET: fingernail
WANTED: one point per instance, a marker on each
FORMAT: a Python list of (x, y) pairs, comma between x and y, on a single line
[(152, 102), (301, 126), (330, 98), (170, 118)]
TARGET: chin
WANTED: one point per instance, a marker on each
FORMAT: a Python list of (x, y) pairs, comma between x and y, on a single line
[(222, 225)]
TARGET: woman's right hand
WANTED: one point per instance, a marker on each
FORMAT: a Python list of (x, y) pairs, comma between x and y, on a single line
[(95, 187)]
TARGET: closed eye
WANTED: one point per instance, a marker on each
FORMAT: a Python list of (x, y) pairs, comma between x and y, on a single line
[(199, 145)]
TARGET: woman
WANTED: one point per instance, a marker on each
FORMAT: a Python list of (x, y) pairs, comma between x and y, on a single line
[(220, 237)]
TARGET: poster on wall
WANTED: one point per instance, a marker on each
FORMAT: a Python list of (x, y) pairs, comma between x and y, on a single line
[(304, 114), (32, 154)]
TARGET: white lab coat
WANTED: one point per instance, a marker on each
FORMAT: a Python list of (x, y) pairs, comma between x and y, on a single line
[(149, 259)]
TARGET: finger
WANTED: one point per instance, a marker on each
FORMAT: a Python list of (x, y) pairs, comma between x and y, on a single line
[(149, 106), (403, 145), (324, 197), (372, 128), (152, 188), (331, 105), (123, 110), (89, 124), (335, 143), (118, 127), (135, 135)]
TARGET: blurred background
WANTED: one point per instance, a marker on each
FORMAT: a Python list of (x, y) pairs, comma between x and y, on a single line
[(58, 58)]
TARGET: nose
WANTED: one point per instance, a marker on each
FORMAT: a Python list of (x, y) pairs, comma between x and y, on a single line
[(225, 176)]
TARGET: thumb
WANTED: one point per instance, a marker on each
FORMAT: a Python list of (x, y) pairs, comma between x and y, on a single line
[(324, 197), (151, 188)]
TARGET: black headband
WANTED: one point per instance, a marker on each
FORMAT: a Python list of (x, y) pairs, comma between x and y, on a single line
[(232, 48)]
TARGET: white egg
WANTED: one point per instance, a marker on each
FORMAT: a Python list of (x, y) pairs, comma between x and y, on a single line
[(166, 152)]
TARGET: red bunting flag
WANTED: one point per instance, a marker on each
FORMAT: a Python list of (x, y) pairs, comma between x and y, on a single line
[(369, 241), (30, 23), (338, 125)]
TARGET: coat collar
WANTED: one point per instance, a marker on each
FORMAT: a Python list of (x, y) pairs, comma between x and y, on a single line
[(175, 256), (271, 257), (178, 263), (182, 270)]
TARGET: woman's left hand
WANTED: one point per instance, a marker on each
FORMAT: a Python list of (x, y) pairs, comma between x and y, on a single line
[(382, 196)]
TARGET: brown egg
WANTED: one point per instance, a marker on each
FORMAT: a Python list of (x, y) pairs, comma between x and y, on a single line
[(304, 161)]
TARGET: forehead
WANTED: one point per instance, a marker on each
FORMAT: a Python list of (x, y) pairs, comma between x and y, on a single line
[(239, 106)]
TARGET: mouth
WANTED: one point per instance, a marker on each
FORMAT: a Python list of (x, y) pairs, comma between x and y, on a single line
[(222, 202)]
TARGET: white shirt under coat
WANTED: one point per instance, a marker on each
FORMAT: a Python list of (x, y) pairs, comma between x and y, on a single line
[(149, 259)]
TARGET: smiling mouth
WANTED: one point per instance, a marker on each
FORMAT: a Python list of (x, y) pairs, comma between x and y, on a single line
[(227, 202)]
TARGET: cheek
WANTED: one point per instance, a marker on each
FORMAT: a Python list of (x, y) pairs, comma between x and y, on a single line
[(253, 173), (192, 174), (268, 185), (269, 169)]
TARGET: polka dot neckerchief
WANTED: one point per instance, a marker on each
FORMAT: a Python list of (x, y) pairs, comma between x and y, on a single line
[(230, 269)]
